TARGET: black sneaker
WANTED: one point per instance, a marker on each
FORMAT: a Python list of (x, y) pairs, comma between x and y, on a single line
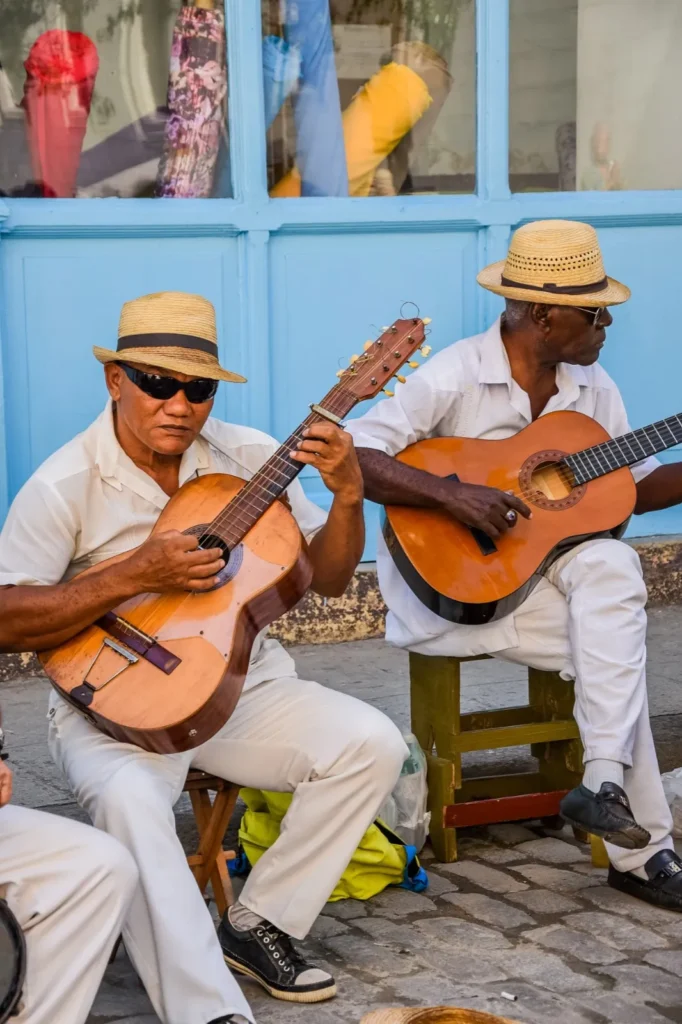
[(267, 955), (606, 814)]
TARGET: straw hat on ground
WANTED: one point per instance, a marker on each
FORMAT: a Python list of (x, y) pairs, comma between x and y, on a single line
[(434, 1015), (171, 331), (557, 262)]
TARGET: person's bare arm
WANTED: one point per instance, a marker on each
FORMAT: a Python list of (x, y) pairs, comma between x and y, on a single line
[(336, 549), (660, 489), (35, 618), (389, 482)]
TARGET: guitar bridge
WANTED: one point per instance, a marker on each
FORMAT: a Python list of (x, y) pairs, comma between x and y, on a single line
[(83, 694)]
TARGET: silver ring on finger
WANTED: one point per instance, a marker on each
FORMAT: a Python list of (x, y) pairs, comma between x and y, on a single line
[(510, 516)]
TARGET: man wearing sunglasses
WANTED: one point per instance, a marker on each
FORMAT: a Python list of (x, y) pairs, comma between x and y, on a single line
[(586, 618), (100, 496)]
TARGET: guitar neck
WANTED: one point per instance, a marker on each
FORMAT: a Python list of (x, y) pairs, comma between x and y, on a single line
[(626, 450), (272, 479)]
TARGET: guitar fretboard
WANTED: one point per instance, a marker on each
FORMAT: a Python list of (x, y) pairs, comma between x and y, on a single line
[(246, 508), (626, 450)]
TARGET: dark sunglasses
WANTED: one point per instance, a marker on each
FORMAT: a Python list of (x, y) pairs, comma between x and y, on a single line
[(163, 388)]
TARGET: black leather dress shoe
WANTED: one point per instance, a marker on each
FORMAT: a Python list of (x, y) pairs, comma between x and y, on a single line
[(606, 814), (663, 887)]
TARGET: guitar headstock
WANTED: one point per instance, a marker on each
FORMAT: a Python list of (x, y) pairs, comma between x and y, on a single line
[(368, 374)]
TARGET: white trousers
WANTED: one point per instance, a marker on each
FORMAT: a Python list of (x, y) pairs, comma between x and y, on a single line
[(587, 620), (338, 756), (69, 887)]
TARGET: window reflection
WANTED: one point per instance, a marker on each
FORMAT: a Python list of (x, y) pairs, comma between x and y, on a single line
[(123, 98), (594, 87), (369, 97)]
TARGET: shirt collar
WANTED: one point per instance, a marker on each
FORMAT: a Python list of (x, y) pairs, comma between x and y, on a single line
[(495, 368), (118, 469)]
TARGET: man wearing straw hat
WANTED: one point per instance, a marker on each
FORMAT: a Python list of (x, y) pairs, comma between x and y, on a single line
[(100, 496), (586, 618)]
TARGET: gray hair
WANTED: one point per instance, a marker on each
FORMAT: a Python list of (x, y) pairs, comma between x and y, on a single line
[(516, 312)]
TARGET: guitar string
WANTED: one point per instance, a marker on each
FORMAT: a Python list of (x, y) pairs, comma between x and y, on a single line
[(335, 401), (593, 455)]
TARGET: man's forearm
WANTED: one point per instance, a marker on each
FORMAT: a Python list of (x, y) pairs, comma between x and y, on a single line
[(337, 548), (660, 489), (389, 482), (38, 618)]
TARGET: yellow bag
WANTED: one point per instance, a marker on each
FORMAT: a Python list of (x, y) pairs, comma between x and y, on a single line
[(381, 859)]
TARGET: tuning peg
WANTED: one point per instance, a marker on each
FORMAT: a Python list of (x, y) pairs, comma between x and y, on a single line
[(353, 359), (384, 329), (426, 321), (389, 393), (414, 364), (399, 377), (367, 346), (340, 373), (425, 350)]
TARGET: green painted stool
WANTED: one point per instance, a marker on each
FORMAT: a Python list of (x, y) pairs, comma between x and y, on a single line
[(546, 723)]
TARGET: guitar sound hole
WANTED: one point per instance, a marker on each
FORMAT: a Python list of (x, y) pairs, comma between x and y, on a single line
[(210, 540), (552, 480)]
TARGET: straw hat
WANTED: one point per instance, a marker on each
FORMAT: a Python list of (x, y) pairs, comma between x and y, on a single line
[(170, 330), (434, 1015), (557, 262)]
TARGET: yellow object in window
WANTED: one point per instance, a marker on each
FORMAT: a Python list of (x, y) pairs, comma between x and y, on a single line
[(380, 114)]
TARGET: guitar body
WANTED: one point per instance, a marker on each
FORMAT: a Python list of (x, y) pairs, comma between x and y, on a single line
[(463, 576), (203, 640)]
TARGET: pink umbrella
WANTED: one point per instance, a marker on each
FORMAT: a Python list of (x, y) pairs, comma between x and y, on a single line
[(60, 77)]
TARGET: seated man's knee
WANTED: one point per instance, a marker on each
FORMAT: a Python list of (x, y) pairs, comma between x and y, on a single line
[(382, 741), (128, 797), (115, 869), (616, 559)]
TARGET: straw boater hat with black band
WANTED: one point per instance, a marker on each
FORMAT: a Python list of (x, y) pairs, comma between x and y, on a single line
[(557, 262), (171, 331)]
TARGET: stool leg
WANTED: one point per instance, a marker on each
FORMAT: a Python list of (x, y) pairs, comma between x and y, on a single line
[(435, 706), (441, 781), (559, 762), (212, 820), (600, 858)]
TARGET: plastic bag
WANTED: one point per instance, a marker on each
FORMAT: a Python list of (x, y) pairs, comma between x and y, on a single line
[(672, 787), (405, 810)]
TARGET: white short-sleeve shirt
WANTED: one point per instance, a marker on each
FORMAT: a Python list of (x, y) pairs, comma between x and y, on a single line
[(89, 501), (468, 390)]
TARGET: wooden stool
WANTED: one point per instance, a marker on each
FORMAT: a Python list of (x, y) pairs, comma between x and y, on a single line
[(209, 863), (546, 723)]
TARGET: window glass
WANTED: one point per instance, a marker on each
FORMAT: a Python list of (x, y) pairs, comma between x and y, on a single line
[(594, 88), (113, 98), (369, 97)]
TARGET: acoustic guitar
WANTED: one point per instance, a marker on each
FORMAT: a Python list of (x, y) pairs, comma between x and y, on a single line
[(564, 466), (165, 671)]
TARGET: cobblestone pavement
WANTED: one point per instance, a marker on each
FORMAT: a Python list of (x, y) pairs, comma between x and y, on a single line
[(522, 912)]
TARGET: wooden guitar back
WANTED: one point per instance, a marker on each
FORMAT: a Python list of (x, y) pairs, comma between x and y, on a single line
[(212, 633)]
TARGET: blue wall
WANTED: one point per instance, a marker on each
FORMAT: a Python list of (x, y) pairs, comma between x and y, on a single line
[(299, 284)]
